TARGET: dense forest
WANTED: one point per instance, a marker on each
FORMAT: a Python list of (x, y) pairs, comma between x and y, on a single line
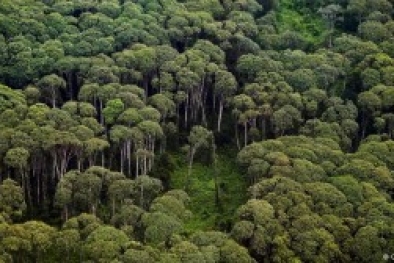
[(177, 131)]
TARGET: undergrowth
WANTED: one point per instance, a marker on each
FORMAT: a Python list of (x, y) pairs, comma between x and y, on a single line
[(207, 215)]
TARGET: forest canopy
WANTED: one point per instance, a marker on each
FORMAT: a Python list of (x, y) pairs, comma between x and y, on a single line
[(207, 131)]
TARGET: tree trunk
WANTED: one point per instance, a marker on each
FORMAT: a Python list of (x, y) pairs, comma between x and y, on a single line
[(364, 125), (28, 189), (38, 187), (129, 157), (65, 212), (145, 164), (101, 112), (102, 159), (136, 166), (220, 114), (93, 209), (121, 158), (237, 136)]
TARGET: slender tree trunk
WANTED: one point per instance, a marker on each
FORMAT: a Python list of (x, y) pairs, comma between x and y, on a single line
[(129, 157), (38, 187), (136, 166), (65, 212), (237, 136), (101, 112), (54, 166), (121, 158), (44, 187), (93, 208), (145, 164), (29, 199), (53, 98), (364, 123), (220, 114)]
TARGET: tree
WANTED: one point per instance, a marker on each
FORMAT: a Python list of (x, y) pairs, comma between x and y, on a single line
[(119, 191), (145, 190), (331, 13), (17, 158), (12, 201), (63, 146), (159, 227), (112, 110), (225, 87), (373, 31), (243, 105), (28, 240), (105, 243), (51, 85), (369, 104), (286, 118), (199, 137)]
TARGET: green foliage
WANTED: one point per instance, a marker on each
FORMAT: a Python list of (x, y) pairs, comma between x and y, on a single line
[(202, 191), (10, 98), (309, 25), (156, 116)]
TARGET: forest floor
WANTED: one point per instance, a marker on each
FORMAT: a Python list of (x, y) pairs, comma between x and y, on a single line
[(232, 192)]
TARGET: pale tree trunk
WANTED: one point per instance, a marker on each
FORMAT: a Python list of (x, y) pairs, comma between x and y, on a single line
[(28, 188), (101, 112), (102, 159), (145, 164), (79, 164), (237, 136), (220, 114), (129, 157), (53, 95), (121, 158), (93, 209), (136, 166)]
